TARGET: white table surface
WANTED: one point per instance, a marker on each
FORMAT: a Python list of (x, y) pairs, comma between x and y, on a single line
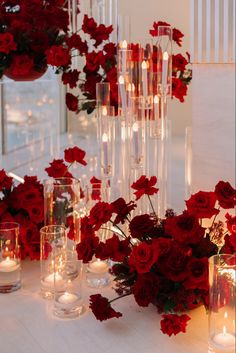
[(28, 326)]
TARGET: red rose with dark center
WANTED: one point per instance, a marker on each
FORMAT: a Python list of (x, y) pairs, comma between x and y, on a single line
[(226, 195), (36, 212), (146, 288), (202, 204), (197, 274), (58, 169), (7, 43), (101, 308), (172, 324), (143, 257), (140, 226), (100, 214), (75, 154), (179, 62), (145, 186)]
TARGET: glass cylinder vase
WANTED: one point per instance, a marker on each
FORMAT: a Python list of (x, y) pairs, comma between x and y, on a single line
[(10, 268), (222, 305)]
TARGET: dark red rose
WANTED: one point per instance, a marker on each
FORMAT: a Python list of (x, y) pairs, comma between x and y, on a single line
[(143, 257), (101, 34), (172, 324), (163, 246), (229, 244), (75, 154), (197, 274), (58, 56), (71, 102), (36, 212), (145, 289), (231, 223), (205, 248), (76, 42), (226, 194), (3, 207), (7, 43), (21, 65), (184, 228), (86, 248), (101, 308), (179, 62), (202, 204), (93, 61), (179, 89), (145, 186), (100, 214), (185, 299), (58, 169), (122, 209), (71, 78), (5, 181), (110, 49), (86, 228), (115, 249), (140, 226), (89, 25)]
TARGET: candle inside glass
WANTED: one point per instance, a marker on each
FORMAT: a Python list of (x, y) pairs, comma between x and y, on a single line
[(224, 340), (8, 265), (67, 298), (98, 267)]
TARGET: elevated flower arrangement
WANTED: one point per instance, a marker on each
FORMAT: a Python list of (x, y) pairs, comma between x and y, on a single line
[(167, 264)]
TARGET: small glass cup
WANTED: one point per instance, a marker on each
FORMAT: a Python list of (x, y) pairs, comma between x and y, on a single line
[(97, 275), (222, 304), (10, 264)]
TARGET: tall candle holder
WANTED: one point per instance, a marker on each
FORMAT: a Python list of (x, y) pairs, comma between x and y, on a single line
[(222, 307), (10, 268), (103, 94), (146, 75), (137, 144)]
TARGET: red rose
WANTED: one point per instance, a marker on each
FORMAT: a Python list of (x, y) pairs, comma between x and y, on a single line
[(202, 204), (205, 248), (89, 25), (100, 214), (101, 308), (197, 274), (184, 228), (164, 246), (86, 228), (179, 89), (71, 102), (90, 84), (226, 194), (36, 212), (110, 49), (172, 324), (229, 244), (179, 62), (58, 169), (76, 42), (145, 289), (21, 65), (143, 257), (144, 186), (58, 56), (101, 33), (7, 43), (86, 248), (122, 209), (75, 154), (5, 181), (93, 61), (96, 189), (115, 249), (71, 78), (231, 223), (140, 226)]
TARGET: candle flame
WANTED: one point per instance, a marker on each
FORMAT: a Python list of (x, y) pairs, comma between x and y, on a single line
[(129, 87), (165, 56), (144, 65), (104, 137), (135, 127), (104, 111), (121, 80), (224, 330), (133, 87), (8, 258), (29, 113), (156, 99), (225, 315), (124, 44)]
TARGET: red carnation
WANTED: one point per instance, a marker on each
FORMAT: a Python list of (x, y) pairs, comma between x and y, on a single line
[(58, 56), (202, 204), (226, 194), (70, 78), (7, 43), (144, 186), (89, 25), (172, 324), (58, 169), (71, 102), (179, 62), (75, 154), (5, 181), (179, 89), (143, 257), (86, 248), (141, 226), (101, 308), (122, 209), (100, 214)]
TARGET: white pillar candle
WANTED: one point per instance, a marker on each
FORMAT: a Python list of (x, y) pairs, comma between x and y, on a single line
[(165, 61), (156, 107), (8, 265), (98, 267), (135, 141), (144, 79), (67, 298), (124, 46), (122, 93), (105, 150)]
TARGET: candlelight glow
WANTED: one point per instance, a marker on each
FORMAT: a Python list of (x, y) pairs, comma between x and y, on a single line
[(129, 87), (121, 80), (135, 127), (104, 111), (156, 99), (144, 65), (104, 137), (165, 56), (124, 44)]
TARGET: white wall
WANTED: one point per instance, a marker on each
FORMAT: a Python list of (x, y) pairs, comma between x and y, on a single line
[(143, 13)]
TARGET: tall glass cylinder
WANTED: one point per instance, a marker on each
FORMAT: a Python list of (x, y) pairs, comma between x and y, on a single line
[(103, 94), (164, 60), (146, 75), (10, 268), (123, 29), (222, 304)]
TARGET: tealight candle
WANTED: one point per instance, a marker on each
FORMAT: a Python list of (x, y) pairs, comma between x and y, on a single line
[(67, 298), (8, 265), (98, 267), (224, 339), (50, 278)]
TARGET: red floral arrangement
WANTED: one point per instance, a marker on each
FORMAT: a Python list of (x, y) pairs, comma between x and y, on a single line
[(167, 265)]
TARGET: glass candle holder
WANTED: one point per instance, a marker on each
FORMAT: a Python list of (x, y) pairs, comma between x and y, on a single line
[(10, 266), (146, 75), (97, 274), (53, 259), (164, 60), (103, 94), (222, 304), (137, 142)]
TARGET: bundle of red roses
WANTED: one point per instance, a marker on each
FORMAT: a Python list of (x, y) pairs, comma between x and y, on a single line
[(167, 265)]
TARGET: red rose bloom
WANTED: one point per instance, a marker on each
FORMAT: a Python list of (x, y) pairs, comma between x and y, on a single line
[(172, 324), (7, 43), (21, 65), (70, 78), (75, 154), (93, 61), (101, 308), (114, 248), (71, 102), (179, 89), (122, 209), (143, 257), (197, 274), (89, 25), (202, 204), (226, 194), (179, 62), (144, 186), (140, 226), (184, 228), (145, 289), (101, 34), (5, 181), (86, 248), (100, 214), (76, 42), (58, 169), (58, 56)]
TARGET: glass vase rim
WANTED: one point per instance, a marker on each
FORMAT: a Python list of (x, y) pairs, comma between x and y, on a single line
[(219, 257), (15, 225), (61, 227), (71, 179)]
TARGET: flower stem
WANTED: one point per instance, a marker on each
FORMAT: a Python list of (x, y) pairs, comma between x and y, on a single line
[(122, 296), (210, 230)]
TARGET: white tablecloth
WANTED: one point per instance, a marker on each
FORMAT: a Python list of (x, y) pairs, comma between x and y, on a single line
[(28, 326)]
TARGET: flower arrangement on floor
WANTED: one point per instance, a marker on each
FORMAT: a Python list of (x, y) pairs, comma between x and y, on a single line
[(167, 265)]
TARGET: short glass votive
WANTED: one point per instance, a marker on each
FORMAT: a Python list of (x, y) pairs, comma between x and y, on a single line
[(222, 305), (10, 265), (53, 259), (97, 275)]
